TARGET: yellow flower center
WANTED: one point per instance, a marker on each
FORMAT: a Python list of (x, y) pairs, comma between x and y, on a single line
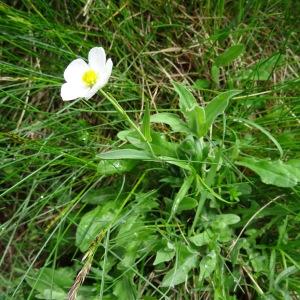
[(89, 77)]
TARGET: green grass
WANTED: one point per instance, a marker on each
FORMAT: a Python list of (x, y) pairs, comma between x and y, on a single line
[(191, 220)]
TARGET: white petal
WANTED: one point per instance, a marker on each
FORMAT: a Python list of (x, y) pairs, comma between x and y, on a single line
[(75, 70), (107, 70), (102, 80), (91, 92), (97, 59), (70, 91)]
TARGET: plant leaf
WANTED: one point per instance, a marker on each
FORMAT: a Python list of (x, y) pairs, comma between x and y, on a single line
[(125, 289), (198, 121), (109, 167), (181, 193), (264, 131), (187, 203), (186, 98), (92, 223), (229, 55), (125, 154), (202, 238), (208, 265), (146, 123), (272, 172), (223, 220), (218, 105), (186, 260), (48, 281), (163, 255), (173, 120), (264, 69), (201, 84)]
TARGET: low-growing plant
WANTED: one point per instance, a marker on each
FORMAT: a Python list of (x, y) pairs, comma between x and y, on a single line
[(179, 180), (177, 207)]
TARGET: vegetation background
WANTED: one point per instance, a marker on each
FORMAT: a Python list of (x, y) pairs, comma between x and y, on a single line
[(67, 212)]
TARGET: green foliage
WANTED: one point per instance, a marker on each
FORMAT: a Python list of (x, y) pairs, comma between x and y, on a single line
[(51, 284), (217, 106), (274, 172), (262, 70), (92, 223), (229, 55), (179, 180), (186, 259), (208, 265)]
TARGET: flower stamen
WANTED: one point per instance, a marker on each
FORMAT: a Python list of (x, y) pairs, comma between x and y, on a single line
[(89, 78)]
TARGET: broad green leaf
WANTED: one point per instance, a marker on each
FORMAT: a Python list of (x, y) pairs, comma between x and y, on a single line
[(208, 265), (293, 166), (181, 194), (52, 294), (161, 146), (229, 55), (218, 105), (123, 134), (92, 223), (136, 142), (235, 251), (173, 120), (259, 262), (163, 255), (187, 203), (272, 172), (111, 167), (186, 260), (188, 104), (146, 123), (48, 280), (125, 289), (201, 84), (186, 98), (202, 238), (222, 221), (125, 154)]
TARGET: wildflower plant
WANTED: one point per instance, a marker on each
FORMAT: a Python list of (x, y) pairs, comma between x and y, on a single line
[(175, 178), (198, 165)]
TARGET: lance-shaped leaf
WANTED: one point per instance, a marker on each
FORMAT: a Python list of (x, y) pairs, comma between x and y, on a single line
[(218, 105), (173, 120), (186, 98), (181, 194), (229, 55), (125, 154), (146, 123)]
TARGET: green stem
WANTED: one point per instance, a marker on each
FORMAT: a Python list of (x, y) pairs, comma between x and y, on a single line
[(123, 113), (199, 210)]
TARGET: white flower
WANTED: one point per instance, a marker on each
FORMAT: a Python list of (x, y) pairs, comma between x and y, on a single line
[(84, 80)]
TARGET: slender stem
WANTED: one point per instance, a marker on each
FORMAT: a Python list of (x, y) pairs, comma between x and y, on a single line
[(199, 210), (122, 112)]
